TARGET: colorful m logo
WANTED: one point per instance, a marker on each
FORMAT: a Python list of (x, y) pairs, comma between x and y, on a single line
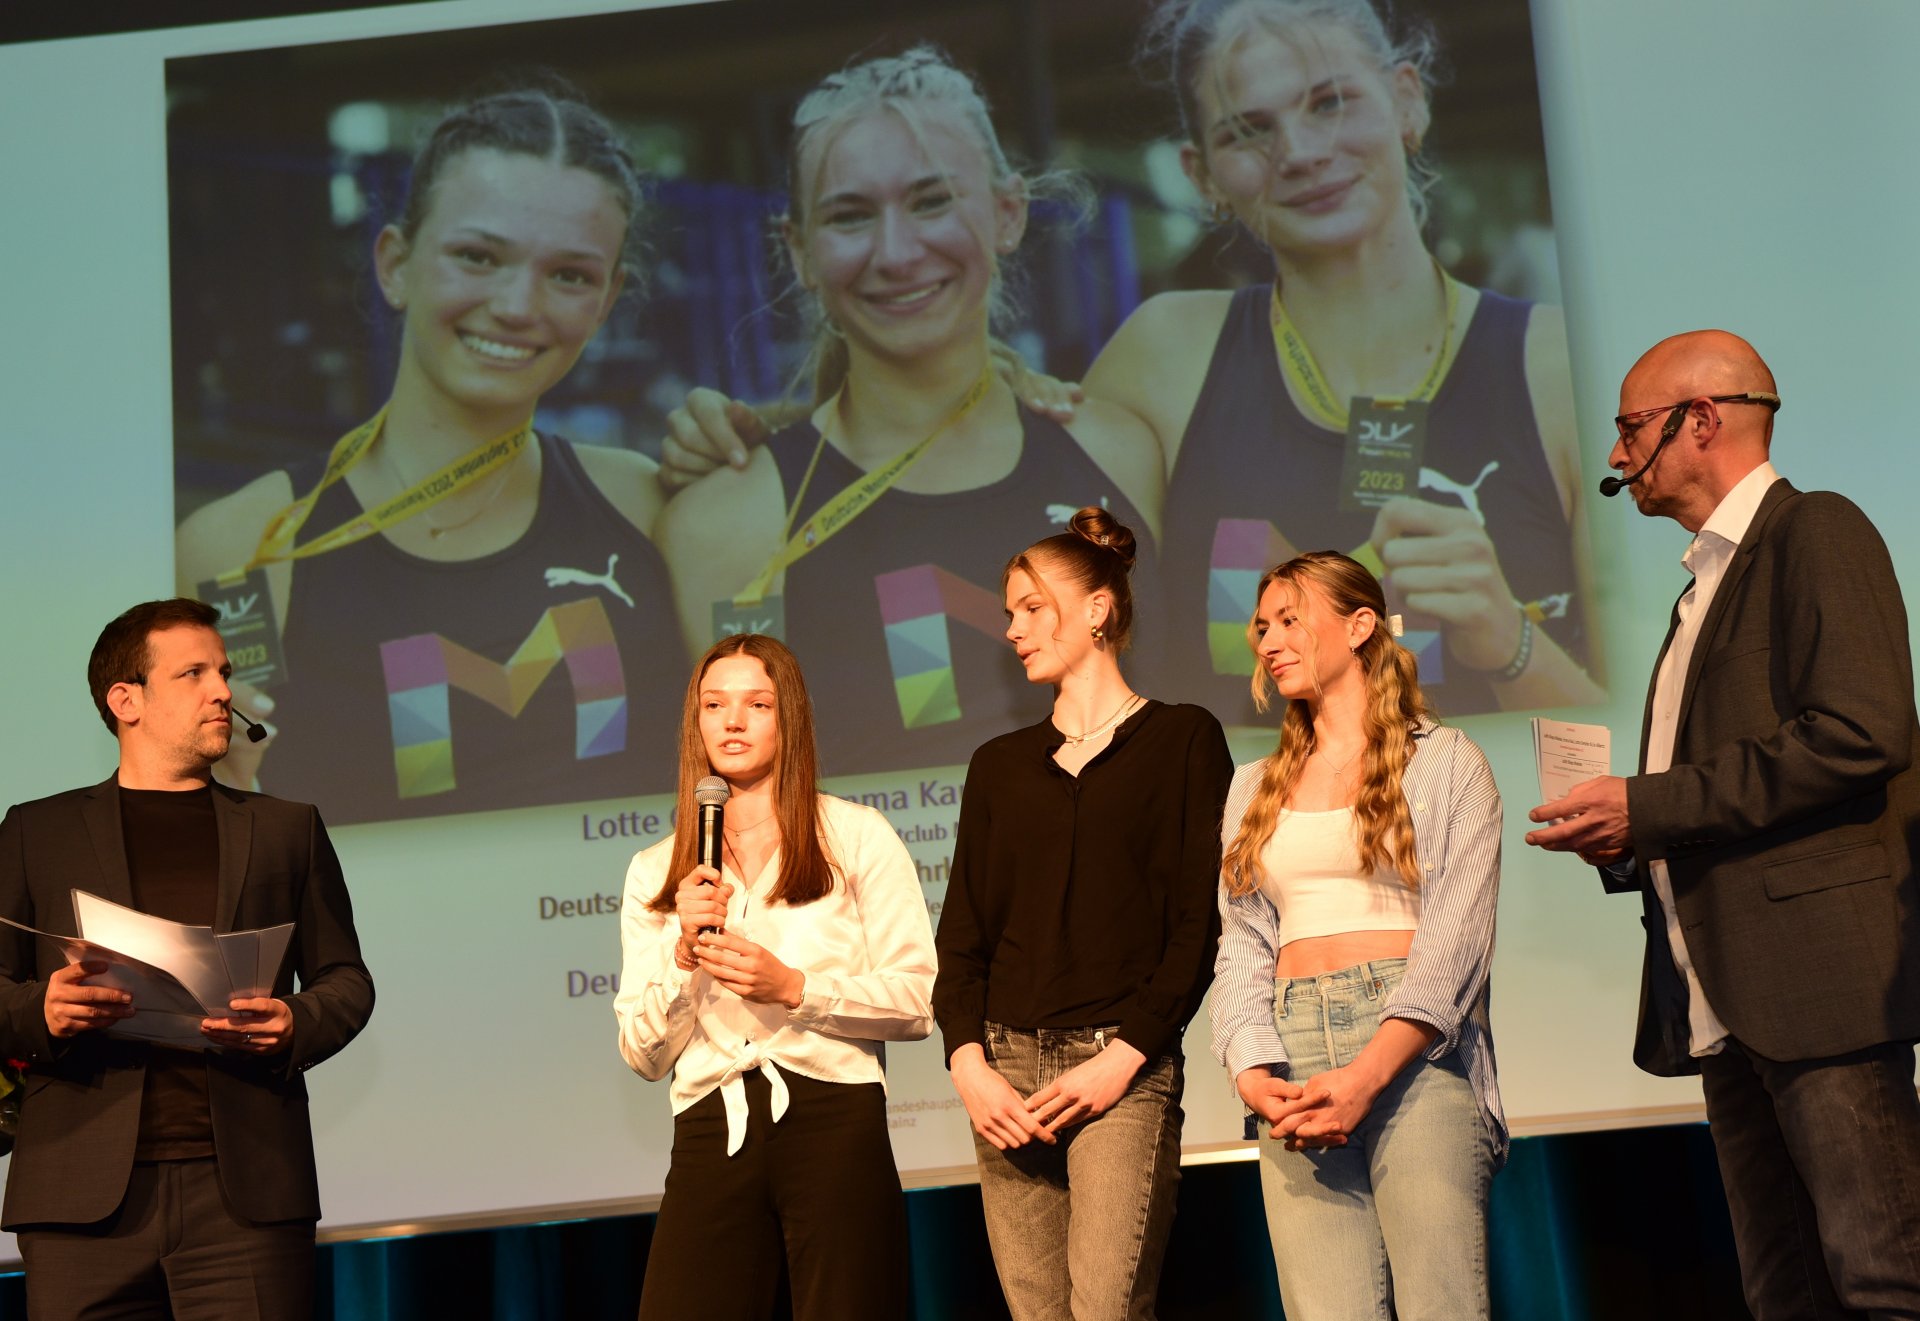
[(916, 606), (1243, 550), (422, 670)]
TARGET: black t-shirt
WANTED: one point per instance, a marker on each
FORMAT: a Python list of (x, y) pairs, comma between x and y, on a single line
[(1088, 900), (173, 860)]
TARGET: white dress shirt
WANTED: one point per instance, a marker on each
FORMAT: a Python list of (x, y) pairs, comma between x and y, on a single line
[(865, 949), (1706, 558)]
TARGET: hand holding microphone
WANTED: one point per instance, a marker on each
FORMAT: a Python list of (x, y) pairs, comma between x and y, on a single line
[(711, 795), (701, 899)]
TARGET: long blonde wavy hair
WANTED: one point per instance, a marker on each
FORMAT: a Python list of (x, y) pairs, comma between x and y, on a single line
[(1395, 709)]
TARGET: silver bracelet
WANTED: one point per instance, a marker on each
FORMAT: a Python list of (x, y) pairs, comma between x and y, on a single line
[(1521, 654)]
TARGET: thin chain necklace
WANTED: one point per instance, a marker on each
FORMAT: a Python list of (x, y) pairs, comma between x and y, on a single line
[(1340, 767), (755, 826), (503, 479), (435, 532), (1126, 705)]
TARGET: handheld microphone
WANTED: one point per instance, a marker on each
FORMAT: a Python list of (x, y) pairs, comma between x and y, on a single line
[(1612, 486), (711, 795), (255, 730)]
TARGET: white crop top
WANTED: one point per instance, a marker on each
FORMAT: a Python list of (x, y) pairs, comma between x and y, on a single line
[(1310, 870)]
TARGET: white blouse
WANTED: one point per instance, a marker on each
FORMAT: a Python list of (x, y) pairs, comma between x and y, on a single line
[(865, 949)]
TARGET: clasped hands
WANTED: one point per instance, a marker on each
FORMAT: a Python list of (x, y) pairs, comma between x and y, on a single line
[(252, 1025), (1320, 1113), (1591, 822), (1007, 1119), (750, 971)]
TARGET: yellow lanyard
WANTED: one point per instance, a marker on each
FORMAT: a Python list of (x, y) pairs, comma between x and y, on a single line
[(1296, 360), (276, 543), (850, 503)]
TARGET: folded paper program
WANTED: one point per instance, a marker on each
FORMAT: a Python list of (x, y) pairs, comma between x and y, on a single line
[(177, 974)]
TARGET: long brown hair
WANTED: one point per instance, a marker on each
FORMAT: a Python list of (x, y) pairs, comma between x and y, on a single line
[(1395, 709), (806, 870)]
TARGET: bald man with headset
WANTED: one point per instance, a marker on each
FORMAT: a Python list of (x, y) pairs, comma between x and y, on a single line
[(1771, 834)]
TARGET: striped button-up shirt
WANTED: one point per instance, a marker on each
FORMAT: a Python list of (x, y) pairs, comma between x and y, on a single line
[(1456, 825)]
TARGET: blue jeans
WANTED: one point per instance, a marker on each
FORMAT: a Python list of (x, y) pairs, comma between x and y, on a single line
[(1079, 1229), (1394, 1224)]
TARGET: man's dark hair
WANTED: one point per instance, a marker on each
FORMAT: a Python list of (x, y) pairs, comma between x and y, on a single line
[(122, 653)]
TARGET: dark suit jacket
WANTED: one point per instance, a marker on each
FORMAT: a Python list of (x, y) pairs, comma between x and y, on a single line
[(1790, 818), (81, 1112)]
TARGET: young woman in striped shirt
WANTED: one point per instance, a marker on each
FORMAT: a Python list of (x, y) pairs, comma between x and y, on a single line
[(1361, 870)]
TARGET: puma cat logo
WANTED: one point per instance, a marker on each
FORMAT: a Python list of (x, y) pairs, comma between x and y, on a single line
[(570, 577), (1469, 495)]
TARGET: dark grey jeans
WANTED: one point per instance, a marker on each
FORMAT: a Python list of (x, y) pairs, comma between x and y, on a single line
[(1079, 1228), (1821, 1161)]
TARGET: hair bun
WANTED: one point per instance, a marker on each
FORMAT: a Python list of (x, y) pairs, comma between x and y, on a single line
[(1103, 529)]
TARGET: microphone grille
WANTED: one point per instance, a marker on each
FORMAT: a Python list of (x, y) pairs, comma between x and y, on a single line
[(712, 792)]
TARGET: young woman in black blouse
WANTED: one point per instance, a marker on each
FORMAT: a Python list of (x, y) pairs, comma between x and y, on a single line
[(1077, 940)]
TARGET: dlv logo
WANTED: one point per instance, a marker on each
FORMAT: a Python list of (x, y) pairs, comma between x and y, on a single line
[(917, 607), (422, 670)]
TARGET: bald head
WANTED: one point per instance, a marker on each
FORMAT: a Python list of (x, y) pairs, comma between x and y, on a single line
[(1701, 362)]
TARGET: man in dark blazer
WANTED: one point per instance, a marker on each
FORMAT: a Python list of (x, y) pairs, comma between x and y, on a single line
[(1772, 834), (150, 1180)]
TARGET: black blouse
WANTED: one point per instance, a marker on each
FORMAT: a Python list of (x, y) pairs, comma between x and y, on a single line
[(1088, 900)]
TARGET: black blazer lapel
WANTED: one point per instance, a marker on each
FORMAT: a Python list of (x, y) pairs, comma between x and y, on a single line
[(1717, 608), (1653, 684), (234, 818), (100, 809)]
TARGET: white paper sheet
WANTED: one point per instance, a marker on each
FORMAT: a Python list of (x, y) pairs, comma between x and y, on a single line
[(177, 974), (1566, 754)]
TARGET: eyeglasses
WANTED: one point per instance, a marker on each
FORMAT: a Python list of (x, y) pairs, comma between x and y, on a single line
[(1628, 423)]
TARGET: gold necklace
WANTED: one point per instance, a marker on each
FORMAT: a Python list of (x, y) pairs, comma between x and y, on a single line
[(1126, 704)]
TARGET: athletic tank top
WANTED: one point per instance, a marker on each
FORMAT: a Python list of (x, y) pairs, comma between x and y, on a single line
[(899, 620), (548, 672), (1255, 477)]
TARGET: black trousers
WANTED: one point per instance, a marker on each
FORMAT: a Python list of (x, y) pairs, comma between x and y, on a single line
[(1821, 1161), (174, 1249), (820, 1186)]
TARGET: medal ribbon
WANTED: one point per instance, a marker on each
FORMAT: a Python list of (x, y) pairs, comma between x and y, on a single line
[(853, 501), (1296, 360), (277, 541)]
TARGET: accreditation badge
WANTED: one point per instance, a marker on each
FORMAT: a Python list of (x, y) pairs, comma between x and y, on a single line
[(1385, 439), (767, 615), (245, 603)]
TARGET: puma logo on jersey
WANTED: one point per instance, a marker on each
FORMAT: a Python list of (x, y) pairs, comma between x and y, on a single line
[(1468, 495), (580, 577)]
